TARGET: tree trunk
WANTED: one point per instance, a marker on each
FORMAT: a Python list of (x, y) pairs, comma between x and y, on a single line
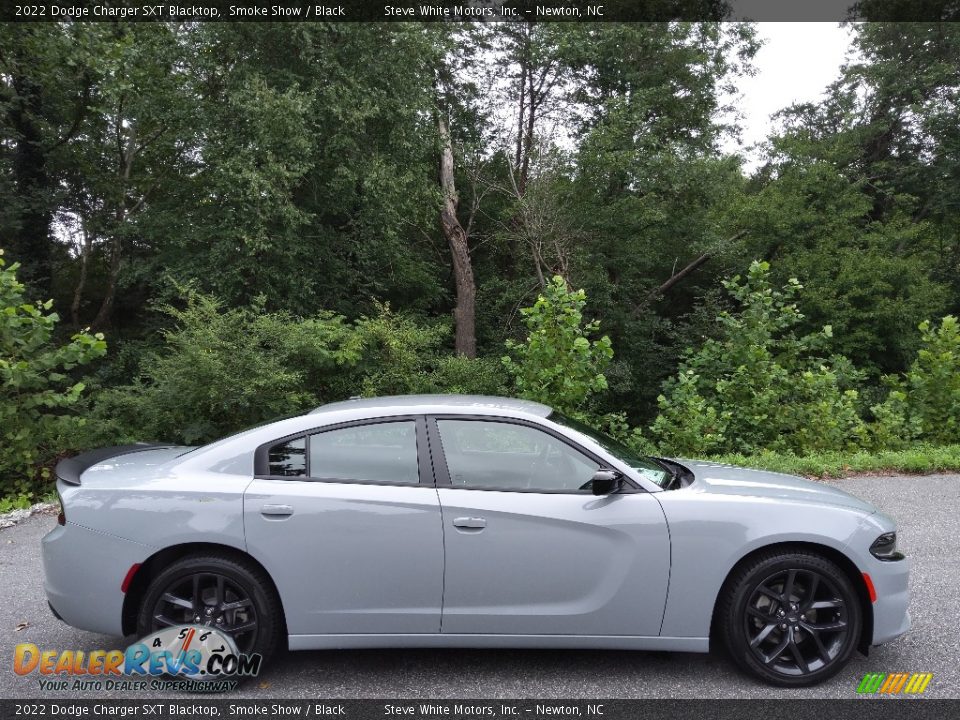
[(82, 282), (30, 242), (464, 313), (126, 153)]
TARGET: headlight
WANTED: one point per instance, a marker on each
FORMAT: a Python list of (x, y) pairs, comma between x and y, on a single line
[(885, 547)]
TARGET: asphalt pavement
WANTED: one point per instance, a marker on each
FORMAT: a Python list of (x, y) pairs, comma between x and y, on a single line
[(927, 509)]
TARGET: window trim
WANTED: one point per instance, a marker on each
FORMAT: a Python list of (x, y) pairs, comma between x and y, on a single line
[(261, 456), (442, 472)]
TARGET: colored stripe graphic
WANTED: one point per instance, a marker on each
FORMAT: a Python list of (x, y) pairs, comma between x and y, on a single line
[(918, 683), (895, 683), (871, 682)]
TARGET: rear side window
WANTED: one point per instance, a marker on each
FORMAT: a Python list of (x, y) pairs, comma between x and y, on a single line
[(289, 459), (380, 453)]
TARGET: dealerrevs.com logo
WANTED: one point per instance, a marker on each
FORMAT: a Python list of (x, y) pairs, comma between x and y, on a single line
[(184, 657)]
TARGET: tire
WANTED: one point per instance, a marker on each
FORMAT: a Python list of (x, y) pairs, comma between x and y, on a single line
[(242, 581), (790, 618)]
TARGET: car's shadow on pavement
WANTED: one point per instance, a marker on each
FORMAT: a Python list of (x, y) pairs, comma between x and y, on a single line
[(464, 673)]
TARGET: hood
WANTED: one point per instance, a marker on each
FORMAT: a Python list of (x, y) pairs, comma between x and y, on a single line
[(733, 480)]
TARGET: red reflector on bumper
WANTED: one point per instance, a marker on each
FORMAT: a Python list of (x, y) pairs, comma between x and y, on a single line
[(870, 588), (125, 585)]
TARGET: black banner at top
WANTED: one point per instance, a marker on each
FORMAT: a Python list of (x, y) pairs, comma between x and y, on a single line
[(478, 10)]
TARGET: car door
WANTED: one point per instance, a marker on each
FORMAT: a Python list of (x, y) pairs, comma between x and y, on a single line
[(529, 549), (349, 534)]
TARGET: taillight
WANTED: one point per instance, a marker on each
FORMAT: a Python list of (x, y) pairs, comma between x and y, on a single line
[(61, 516)]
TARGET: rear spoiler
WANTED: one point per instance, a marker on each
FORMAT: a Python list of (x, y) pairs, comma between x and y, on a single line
[(69, 470)]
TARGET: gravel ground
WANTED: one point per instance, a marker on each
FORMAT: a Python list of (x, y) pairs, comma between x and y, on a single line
[(926, 509)]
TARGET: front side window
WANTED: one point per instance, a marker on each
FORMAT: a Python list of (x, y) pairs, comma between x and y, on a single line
[(382, 452), (641, 464), (493, 455)]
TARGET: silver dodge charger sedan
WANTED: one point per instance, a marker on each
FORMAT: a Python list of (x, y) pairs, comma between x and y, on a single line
[(462, 521)]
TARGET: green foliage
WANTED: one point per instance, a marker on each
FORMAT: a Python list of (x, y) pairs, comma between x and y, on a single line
[(224, 369), (36, 388), (759, 385), (221, 370), (922, 459), (559, 364), (925, 403)]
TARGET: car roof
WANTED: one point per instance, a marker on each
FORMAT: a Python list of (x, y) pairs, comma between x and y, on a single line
[(416, 404)]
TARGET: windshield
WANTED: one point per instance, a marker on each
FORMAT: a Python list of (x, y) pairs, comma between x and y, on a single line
[(646, 466)]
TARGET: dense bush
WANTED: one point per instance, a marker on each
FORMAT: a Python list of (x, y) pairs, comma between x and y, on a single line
[(221, 370), (36, 387), (924, 404), (559, 364), (759, 385)]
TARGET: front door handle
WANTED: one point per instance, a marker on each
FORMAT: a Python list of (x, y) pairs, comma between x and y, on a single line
[(276, 510), (472, 523)]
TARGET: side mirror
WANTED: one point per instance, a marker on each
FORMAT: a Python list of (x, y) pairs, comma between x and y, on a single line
[(606, 482)]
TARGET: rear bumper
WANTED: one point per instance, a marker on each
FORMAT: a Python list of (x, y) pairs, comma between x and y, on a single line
[(83, 571)]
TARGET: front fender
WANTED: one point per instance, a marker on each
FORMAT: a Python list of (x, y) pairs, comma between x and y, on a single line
[(710, 534)]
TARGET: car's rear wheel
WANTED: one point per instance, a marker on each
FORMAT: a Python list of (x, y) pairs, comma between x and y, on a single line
[(790, 618), (219, 591)]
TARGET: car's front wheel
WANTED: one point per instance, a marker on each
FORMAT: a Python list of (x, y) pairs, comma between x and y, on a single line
[(790, 618), (219, 591)]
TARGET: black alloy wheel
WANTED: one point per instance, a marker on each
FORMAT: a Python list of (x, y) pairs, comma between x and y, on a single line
[(791, 619), (222, 592), (204, 598)]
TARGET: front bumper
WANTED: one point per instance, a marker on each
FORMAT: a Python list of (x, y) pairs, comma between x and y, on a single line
[(891, 614), (83, 571)]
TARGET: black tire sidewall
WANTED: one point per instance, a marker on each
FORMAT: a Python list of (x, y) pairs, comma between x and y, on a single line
[(739, 595)]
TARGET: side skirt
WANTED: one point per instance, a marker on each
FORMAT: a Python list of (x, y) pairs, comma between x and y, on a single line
[(441, 640)]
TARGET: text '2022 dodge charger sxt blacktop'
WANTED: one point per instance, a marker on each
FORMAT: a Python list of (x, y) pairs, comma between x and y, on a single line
[(460, 521)]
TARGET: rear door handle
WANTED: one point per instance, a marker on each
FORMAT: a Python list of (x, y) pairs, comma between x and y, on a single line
[(276, 510), (473, 523)]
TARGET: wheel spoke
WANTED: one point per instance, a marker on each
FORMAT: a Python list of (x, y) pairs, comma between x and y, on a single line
[(821, 648), (763, 634), (178, 601), (165, 621), (777, 651), (833, 626), (788, 585), (812, 591), (237, 629), (831, 604), (236, 605), (797, 654), (196, 592), (772, 594), (220, 590)]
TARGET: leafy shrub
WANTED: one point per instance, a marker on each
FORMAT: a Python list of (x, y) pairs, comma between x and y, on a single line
[(223, 370), (925, 403), (559, 364), (36, 390), (759, 385)]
